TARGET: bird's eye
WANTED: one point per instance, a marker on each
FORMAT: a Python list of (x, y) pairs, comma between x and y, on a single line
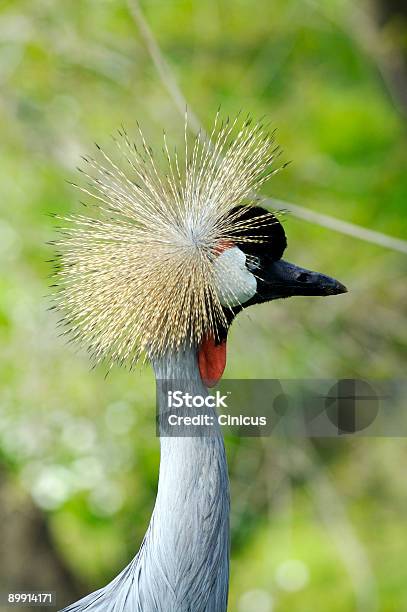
[(252, 263)]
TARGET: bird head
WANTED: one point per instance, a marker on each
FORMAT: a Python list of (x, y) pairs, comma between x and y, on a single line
[(252, 271), (161, 260), (263, 248)]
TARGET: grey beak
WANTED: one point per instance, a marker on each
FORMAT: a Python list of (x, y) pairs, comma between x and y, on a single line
[(283, 279)]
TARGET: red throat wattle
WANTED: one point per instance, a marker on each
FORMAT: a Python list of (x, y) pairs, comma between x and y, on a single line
[(212, 356), (211, 360)]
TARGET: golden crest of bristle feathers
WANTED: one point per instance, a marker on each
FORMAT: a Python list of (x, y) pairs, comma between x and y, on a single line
[(136, 273)]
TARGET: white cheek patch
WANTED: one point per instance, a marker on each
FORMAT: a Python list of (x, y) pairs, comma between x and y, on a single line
[(235, 284)]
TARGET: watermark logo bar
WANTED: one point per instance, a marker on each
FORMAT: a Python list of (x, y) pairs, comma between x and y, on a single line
[(293, 408)]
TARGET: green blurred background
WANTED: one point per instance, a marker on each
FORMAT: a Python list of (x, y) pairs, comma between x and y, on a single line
[(315, 526)]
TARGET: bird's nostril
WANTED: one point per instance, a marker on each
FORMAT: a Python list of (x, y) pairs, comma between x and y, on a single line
[(303, 277)]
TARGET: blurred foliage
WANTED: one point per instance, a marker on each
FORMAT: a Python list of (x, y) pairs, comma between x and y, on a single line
[(324, 537)]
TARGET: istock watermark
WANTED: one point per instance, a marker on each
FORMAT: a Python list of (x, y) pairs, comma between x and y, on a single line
[(179, 399), (294, 408)]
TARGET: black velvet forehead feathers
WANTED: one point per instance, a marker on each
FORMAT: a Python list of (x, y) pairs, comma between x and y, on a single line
[(270, 233)]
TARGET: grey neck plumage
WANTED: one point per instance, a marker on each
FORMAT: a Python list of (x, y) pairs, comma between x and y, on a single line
[(183, 562)]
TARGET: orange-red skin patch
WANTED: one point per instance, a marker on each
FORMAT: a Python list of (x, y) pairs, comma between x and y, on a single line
[(223, 245), (211, 361)]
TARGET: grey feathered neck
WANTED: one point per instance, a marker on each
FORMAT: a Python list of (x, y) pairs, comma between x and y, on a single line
[(183, 562)]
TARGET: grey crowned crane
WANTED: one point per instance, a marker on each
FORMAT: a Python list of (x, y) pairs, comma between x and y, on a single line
[(160, 267)]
